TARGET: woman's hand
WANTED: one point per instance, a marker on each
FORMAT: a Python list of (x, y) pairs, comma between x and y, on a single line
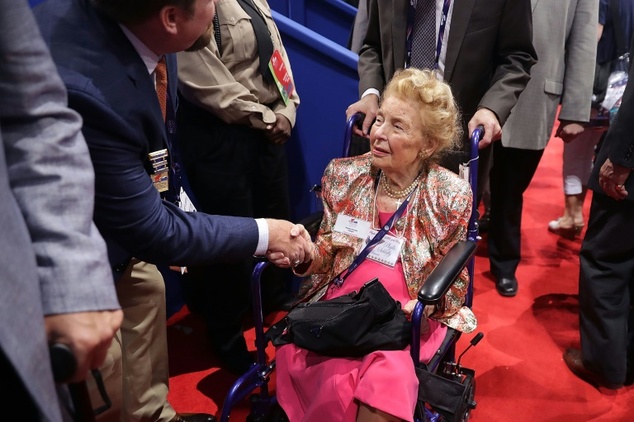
[(278, 259), (408, 310)]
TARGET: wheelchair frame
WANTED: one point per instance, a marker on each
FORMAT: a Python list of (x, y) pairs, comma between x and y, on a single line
[(435, 287)]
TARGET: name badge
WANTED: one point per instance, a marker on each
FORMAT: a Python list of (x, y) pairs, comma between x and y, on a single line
[(281, 76), (160, 169), (464, 170), (352, 226), (387, 250)]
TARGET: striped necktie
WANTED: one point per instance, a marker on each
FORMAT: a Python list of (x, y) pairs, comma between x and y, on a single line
[(161, 85), (424, 36)]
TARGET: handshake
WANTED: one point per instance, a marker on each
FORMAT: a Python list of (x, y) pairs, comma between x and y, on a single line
[(290, 244)]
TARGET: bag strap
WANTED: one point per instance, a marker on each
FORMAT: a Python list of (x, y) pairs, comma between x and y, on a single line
[(338, 281)]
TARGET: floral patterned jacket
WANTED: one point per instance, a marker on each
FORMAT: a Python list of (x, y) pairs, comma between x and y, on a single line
[(436, 218)]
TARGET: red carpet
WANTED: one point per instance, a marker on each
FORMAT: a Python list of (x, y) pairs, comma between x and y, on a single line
[(520, 373)]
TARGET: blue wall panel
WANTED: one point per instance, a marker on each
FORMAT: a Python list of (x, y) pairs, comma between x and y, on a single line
[(330, 18), (326, 79)]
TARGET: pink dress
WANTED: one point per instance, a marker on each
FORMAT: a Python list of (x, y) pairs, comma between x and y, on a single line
[(311, 387)]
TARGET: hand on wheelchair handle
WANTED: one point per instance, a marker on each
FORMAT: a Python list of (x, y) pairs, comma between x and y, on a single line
[(368, 106), (489, 122)]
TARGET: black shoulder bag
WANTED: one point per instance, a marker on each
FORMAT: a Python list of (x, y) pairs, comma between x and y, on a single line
[(352, 325)]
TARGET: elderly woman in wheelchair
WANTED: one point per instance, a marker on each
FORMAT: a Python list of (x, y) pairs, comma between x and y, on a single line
[(417, 122)]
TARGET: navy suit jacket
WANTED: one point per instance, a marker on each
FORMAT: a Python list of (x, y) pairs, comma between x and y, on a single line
[(109, 85)]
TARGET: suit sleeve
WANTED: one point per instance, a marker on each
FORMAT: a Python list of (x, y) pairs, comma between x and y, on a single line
[(129, 210), (370, 67), (207, 81), (581, 51), (50, 172), (514, 57)]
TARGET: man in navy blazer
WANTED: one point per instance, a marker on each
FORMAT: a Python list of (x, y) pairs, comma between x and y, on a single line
[(108, 53)]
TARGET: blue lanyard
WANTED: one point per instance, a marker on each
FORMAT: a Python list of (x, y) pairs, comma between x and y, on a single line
[(410, 29), (338, 281)]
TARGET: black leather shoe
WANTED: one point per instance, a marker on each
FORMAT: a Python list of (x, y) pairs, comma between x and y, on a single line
[(506, 286), (572, 358), (236, 360), (193, 417), (484, 222)]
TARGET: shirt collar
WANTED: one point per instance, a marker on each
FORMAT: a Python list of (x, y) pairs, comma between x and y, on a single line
[(150, 58)]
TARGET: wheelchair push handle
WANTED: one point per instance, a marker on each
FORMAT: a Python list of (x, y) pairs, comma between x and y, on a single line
[(353, 121)]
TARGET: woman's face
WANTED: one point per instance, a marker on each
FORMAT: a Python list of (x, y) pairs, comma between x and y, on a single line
[(397, 139)]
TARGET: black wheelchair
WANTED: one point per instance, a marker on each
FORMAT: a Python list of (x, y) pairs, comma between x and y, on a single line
[(446, 391)]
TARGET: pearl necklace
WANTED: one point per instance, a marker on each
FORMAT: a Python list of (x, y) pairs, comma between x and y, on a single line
[(398, 194)]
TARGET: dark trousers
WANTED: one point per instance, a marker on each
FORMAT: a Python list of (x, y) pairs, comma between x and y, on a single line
[(510, 175), (232, 170), (606, 286)]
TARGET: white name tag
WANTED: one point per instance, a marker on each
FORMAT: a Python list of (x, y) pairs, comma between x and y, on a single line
[(463, 171), (352, 226), (388, 250)]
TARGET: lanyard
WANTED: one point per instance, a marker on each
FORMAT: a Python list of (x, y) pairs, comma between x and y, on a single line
[(338, 281), (410, 29)]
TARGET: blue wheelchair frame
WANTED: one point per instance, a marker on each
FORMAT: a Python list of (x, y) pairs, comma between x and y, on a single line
[(434, 288)]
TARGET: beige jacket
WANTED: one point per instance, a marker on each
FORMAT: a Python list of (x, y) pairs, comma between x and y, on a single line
[(229, 85)]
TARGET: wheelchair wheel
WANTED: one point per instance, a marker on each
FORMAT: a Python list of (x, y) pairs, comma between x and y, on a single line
[(275, 414), (470, 402)]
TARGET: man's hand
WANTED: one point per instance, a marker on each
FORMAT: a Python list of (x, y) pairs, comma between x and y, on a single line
[(492, 128), (280, 131), (568, 130), (367, 105), (612, 177), (289, 244), (88, 334)]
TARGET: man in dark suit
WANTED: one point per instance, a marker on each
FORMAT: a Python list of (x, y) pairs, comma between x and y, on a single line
[(115, 58), (606, 279), (56, 285), (485, 55)]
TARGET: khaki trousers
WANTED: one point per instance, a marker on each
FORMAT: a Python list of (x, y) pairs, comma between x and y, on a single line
[(136, 371)]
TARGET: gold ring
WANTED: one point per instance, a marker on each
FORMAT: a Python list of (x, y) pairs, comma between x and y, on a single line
[(296, 263)]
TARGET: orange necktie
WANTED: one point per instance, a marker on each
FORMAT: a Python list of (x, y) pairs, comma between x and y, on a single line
[(161, 84)]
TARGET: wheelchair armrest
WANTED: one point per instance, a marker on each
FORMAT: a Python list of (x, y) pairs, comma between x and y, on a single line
[(312, 222), (441, 278)]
